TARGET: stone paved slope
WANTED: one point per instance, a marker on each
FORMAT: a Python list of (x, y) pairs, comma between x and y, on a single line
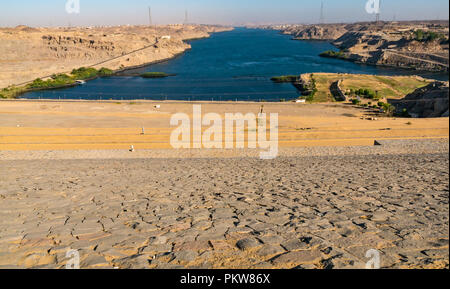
[(292, 212)]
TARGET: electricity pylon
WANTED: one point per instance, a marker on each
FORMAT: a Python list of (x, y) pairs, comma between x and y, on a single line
[(322, 16)]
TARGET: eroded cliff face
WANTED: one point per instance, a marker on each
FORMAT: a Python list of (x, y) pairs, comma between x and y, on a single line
[(28, 53), (316, 32), (385, 43), (395, 49), (429, 101)]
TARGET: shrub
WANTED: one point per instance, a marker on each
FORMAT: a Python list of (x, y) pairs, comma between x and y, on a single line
[(61, 79), (2, 96), (57, 80), (154, 75), (370, 94), (426, 36), (332, 54), (405, 113), (285, 78), (356, 101), (84, 73), (388, 108), (105, 72)]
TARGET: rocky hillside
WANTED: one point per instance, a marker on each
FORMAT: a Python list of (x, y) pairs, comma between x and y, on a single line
[(28, 53), (317, 32), (429, 101), (412, 45)]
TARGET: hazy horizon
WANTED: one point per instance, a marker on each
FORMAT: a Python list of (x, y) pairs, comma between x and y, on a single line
[(231, 12)]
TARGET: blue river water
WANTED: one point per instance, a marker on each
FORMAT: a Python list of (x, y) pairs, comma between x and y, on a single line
[(235, 65)]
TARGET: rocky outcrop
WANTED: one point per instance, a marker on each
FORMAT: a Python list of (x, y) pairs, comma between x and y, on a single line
[(392, 44), (337, 92), (316, 32), (429, 101), (305, 84), (385, 49)]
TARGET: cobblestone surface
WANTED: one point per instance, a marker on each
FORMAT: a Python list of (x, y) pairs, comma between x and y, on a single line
[(292, 212)]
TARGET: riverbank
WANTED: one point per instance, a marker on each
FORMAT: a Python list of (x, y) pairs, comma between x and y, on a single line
[(30, 53)]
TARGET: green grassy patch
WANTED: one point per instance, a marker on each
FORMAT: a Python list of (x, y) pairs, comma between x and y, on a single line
[(404, 85), (285, 78), (321, 81), (333, 54)]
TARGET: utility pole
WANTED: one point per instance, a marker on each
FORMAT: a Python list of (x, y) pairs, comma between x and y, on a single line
[(378, 12), (150, 16), (322, 16), (186, 19)]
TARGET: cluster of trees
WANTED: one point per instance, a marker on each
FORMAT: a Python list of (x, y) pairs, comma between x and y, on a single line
[(364, 92), (426, 36), (333, 54), (57, 80), (61, 80), (103, 72), (83, 73), (10, 92), (4, 90), (387, 108)]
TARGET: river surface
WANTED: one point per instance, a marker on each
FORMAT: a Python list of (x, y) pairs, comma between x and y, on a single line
[(234, 65)]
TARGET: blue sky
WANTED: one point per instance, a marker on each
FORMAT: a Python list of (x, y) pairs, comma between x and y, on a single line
[(234, 12)]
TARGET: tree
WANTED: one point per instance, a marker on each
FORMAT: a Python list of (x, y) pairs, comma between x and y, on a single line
[(389, 109)]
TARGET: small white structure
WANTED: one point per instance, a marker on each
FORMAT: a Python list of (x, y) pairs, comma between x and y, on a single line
[(158, 106), (132, 149), (300, 101), (166, 37), (80, 82)]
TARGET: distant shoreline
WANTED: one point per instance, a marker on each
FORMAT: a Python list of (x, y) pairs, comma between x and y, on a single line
[(116, 72)]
